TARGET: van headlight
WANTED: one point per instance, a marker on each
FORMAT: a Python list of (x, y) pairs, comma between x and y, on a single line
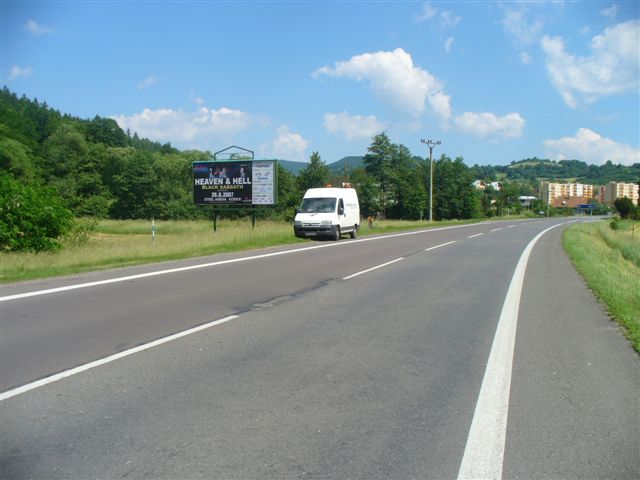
[(325, 222), (297, 223)]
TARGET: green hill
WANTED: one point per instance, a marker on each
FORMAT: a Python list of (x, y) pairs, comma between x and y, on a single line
[(350, 163), (292, 167), (537, 169)]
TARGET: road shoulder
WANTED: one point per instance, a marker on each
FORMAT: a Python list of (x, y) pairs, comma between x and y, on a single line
[(574, 395)]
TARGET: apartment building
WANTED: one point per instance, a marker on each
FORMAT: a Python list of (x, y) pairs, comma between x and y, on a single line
[(613, 190), (565, 194)]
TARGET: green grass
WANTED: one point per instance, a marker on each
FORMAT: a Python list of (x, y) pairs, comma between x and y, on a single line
[(608, 260), (118, 243)]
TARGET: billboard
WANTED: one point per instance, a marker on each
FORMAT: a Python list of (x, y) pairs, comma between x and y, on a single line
[(242, 183)]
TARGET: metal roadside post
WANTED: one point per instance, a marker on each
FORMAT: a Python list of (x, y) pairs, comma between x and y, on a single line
[(591, 207), (430, 144)]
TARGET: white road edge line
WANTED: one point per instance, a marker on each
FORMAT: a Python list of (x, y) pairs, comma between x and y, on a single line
[(476, 235), (222, 262), (484, 452), (371, 269), (87, 366), (438, 246)]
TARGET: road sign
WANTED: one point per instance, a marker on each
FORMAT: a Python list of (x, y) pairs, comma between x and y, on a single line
[(588, 206)]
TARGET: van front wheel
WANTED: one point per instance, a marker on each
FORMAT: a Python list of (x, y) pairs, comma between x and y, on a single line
[(336, 233)]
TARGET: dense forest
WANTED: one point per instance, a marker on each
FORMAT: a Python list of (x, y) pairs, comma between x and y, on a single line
[(55, 168)]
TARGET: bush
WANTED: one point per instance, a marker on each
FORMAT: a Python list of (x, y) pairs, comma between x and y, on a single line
[(81, 232), (32, 218), (615, 223)]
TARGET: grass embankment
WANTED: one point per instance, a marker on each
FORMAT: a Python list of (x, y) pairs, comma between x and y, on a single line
[(123, 243), (609, 260)]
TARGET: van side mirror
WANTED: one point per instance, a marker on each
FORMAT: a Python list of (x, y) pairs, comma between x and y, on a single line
[(340, 210)]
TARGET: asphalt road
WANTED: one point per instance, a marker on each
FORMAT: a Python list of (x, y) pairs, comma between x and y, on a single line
[(318, 373)]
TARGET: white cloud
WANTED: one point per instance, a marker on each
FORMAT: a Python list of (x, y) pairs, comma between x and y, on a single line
[(36, 29), (448, 44), (526, 58), (428, 12), (613, 67), (517, 23), (392, 76), (287, 145), (610, 12), (449, 19), (591, 147), (17, 72), (352, 126), (199, 101), (188, 129), (147, 82), (440, 103), (488, 125)]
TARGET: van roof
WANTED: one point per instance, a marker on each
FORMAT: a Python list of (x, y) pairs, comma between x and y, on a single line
[(328, 192)]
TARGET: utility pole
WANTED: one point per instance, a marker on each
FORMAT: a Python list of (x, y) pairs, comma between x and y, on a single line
[(431, 144)]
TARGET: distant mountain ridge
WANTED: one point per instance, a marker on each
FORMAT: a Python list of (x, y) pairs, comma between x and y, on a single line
[(292, 167), (350, 163)]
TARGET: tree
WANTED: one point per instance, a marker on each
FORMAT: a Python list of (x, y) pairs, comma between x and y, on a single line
[(32, 218), (368, 191), (625, 207), (16, 158), (377, 163), (507, 198), (135, 186), (289, 196), (488, 199), (406, 191), (171, 196), (106, 131), (455, 196), (314, 175)]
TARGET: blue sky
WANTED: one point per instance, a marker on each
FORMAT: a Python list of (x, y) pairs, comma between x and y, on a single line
[(494, 81)]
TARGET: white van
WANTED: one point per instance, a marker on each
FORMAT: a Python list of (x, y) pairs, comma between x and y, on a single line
[(328, 212)]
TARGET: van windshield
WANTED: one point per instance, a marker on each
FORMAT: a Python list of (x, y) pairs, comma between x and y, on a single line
[(318, 205)]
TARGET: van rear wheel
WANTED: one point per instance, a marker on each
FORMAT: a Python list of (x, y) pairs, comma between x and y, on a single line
[(336, 233), (354, 232)]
